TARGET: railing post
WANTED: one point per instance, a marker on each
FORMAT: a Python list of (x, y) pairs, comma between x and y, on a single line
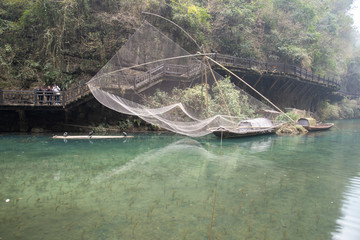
[(63, 96), (35, 96), (1, 96)]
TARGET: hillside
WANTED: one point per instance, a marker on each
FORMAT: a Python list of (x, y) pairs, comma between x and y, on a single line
[(51, 41)]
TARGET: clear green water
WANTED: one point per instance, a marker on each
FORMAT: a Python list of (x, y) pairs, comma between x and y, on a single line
[(164, 187)]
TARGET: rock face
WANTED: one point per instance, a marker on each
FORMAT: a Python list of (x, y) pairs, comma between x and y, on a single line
[(79, 118)]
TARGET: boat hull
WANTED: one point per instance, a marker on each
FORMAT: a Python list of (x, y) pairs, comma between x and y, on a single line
[(229, 134), (319, 127)]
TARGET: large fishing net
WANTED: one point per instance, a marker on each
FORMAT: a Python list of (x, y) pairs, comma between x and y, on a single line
[(155, 79)]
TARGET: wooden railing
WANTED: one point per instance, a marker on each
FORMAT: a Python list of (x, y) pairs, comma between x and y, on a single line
[(34, 98), (75, 92), (232, 61), (169, 70)]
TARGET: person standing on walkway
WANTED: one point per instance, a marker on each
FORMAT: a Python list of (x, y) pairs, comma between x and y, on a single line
[(56, 91), (48, 94), (40, 95)]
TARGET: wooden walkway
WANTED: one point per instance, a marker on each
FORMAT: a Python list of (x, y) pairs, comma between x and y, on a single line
[(28, 98), (250, 64)]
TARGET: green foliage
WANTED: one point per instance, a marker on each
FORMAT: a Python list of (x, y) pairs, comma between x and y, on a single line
[(234, 28), (349, 108), (299, 11), (223, 98), (51, 74), (158, 99), (312, 34), (126, 124), (195, 99), (346, 109), (352, 77), (7, 55), (192, 17), (328, 111), (28, 73), (295, 54), (227, 98), (285, 117), (102, 128), (129, 123)]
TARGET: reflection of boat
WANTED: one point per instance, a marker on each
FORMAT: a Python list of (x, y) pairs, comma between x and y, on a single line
[(251, 127), (311, 125)]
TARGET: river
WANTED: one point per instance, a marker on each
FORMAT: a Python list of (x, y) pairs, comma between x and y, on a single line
[(164, 186)]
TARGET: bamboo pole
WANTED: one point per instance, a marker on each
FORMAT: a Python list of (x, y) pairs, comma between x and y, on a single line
[(221, 93)]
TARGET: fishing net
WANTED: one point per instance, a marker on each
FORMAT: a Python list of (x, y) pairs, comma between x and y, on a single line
[(155, 79)]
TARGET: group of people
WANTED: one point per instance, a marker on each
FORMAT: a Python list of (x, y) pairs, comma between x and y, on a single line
[(49, 92)]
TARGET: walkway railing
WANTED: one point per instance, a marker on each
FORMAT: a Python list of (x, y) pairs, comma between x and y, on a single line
[(145, 80), (169, 70), (231, 61), (36, 98)]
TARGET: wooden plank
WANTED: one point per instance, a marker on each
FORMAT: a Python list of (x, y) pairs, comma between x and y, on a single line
[(92, 137)]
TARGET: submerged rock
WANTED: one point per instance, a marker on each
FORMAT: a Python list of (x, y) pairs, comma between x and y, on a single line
[(37, 130)]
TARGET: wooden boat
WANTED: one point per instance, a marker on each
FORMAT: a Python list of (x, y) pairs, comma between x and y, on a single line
[(311, 125), (88, 137), (249, 132), (252, 127)]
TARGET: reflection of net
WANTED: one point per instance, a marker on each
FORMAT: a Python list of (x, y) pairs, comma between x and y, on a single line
[(154, 78)]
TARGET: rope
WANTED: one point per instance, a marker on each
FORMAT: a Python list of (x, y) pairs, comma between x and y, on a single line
[(272, 104)]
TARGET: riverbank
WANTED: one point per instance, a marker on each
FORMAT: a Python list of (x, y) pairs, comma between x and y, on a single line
[(345, 109), (94, 116)]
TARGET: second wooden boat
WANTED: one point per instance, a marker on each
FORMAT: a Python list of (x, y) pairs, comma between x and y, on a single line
[(311, 125)]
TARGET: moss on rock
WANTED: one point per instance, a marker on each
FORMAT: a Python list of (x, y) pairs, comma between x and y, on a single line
[(291, 129)]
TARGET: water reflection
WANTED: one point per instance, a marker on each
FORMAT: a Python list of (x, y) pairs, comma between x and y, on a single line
[(155, 157), (193, 150), (163, 187), (349, 223)]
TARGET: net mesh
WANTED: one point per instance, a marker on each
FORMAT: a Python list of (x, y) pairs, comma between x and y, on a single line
[(155, 79)]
